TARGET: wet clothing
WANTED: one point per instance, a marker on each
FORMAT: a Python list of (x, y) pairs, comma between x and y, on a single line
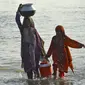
[(59, 49), (61, 54), (31, 44)]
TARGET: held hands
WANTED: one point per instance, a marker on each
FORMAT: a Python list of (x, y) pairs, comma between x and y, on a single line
[(46, 58)]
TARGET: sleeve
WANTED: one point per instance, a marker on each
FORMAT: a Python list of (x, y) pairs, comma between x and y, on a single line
[(49, 52), (72, 43), (17, 19)]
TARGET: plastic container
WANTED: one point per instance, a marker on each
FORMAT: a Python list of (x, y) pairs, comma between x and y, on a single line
[(27, 10), (45, 69)]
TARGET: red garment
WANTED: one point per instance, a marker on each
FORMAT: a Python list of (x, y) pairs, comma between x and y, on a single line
[(68, 58), (61, 74)]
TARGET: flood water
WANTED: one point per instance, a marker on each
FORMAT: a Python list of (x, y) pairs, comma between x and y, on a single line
[(49, 13)]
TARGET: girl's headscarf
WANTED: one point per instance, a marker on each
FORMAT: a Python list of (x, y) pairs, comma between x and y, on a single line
[(60, 28)]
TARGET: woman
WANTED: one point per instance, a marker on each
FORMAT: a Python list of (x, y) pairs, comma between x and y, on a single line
[(31, 44), (60, 52)]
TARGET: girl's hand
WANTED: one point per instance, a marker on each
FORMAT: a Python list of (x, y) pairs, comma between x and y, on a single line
[(83, 45), (46, 57)]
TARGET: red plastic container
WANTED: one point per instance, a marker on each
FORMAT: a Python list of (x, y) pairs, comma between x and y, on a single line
[(45, 69)]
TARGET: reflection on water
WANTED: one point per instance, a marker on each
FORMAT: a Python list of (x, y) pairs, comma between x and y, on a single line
[(38, 82), (18, 77), (48, 14), (50, 82)]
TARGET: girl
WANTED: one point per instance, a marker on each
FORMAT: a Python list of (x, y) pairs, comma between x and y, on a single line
[(60, 52)]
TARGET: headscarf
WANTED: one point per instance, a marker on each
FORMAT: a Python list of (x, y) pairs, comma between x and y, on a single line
[(59, 42), (60, 28)]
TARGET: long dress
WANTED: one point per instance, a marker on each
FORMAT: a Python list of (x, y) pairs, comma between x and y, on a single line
[(31, 45), (61, 55)]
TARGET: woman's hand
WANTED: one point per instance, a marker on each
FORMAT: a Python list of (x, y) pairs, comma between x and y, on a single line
[(46, 57), (20, 6)]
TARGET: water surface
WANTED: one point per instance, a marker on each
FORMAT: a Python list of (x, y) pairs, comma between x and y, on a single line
[(49, 13)]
